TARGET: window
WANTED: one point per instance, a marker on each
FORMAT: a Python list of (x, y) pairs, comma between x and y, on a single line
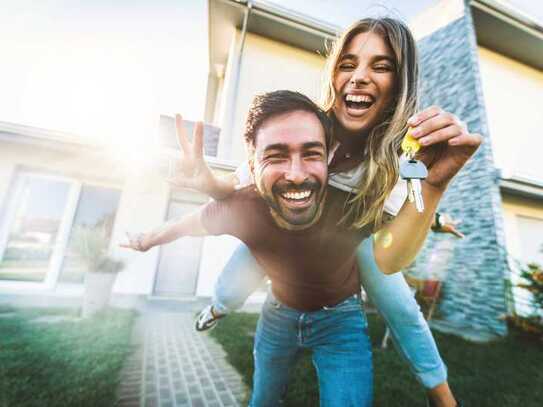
[(531, 239), (96, 209), (37, 231), (530, 231), (34, 220)]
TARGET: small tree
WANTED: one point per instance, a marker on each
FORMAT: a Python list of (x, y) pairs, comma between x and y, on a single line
[(91, 243), (533, 282)]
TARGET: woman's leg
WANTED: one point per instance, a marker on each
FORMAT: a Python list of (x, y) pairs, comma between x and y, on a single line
[(239, 278), (396, 304)]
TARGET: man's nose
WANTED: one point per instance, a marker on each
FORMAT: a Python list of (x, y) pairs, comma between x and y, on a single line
[(296, 173)]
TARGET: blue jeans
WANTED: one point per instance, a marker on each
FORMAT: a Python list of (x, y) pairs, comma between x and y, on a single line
[(390, 294), (338, 339)]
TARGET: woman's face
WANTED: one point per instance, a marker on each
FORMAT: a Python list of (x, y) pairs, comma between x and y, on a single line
[(364, 82)]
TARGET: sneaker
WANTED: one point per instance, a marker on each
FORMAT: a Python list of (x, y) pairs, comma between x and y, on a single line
[(207, 319)]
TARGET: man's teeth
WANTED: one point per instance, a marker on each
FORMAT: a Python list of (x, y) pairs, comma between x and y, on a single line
[(358, 98), (296, 195)]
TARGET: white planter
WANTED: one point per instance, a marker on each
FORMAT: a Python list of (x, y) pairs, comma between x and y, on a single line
[(98, 288)]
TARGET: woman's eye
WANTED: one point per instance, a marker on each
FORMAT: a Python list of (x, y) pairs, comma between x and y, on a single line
[(346, 66), (383, 68)]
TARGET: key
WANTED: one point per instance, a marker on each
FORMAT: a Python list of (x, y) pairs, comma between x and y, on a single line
[(410, 145), (413, 171)]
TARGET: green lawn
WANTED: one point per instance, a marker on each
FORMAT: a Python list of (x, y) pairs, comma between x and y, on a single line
[(69, 363), (504, 373)]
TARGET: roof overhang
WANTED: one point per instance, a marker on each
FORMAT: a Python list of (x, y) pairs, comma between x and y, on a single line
[(508, 32), (39, 137), (524, 187), (265, 19)]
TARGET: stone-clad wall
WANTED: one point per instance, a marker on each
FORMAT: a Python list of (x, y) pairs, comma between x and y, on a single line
[(473, 268)]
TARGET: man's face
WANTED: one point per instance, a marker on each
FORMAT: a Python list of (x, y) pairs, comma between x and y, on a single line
[(290, 168)]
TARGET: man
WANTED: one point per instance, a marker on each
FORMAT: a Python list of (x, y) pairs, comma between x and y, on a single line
[(289, 220)]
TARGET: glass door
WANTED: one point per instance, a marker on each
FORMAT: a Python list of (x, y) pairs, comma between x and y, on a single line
[(96, 210)]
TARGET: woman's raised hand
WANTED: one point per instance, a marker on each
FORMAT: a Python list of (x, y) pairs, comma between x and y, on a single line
[(192, 170), (446, 141)]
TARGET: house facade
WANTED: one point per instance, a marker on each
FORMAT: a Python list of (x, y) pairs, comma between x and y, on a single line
[(479, 59)]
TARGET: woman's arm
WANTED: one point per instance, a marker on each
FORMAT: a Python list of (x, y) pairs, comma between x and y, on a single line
[(397, 244), (445, 151)]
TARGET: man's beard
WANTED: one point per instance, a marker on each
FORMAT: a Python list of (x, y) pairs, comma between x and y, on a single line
[(289, 214)]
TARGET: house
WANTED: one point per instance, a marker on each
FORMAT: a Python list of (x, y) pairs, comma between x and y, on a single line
[(51, 185), (480, 59)]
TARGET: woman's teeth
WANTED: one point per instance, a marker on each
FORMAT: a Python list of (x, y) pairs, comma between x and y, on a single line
[(296, 196), (358, 98), (358, 101)]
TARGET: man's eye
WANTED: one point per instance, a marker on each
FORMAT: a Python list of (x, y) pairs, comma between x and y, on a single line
[(275, 157), (314, 154)]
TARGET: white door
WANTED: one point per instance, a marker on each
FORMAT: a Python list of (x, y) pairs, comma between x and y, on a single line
[(179, 261)]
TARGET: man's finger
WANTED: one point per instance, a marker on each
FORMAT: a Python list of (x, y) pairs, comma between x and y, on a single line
[(198, 137), (181, 133), (457, 233)]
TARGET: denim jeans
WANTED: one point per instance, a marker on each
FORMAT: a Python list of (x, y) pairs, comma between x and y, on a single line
[(390, 294), (341, 350)]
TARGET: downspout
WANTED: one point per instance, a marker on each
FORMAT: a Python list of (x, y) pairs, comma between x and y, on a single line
[(235, 85)]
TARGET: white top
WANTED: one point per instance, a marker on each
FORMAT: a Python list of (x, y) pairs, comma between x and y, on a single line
[(345, 181)]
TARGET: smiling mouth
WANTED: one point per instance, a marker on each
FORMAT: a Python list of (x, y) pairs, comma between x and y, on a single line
[(358, 103), (297, 198)]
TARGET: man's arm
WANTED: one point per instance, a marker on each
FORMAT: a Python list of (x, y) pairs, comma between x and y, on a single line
[(193, 171), (188, 225)]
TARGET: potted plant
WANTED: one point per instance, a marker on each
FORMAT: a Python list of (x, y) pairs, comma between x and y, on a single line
[(532, 281), (91, 244)]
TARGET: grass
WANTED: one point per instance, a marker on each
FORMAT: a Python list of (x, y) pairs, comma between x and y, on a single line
[(504, 373), (68, 363)]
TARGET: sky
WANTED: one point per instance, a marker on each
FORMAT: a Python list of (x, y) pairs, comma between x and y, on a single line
[(106, 70), (99, 68)]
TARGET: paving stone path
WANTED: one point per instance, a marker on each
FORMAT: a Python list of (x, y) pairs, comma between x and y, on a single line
[(173, 365)]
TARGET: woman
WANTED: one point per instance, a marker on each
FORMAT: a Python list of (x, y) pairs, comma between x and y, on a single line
[(371, 95)]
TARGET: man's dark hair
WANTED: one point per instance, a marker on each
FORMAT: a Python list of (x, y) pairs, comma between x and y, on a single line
[(271, 104)]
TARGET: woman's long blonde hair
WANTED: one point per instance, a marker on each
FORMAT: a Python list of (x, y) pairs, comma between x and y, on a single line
[(381, 155)]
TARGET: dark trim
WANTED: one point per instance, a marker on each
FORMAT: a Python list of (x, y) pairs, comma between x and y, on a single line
[(509, 33), (522, 187)]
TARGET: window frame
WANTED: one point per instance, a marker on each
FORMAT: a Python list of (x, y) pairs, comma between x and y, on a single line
[(66, 224)]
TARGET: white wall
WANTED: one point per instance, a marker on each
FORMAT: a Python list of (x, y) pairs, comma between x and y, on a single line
[(143, 206), (513, 95), (216, 251), (268, 65)]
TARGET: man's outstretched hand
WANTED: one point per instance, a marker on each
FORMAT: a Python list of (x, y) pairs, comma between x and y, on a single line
[(137, 241), (447, 225)]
